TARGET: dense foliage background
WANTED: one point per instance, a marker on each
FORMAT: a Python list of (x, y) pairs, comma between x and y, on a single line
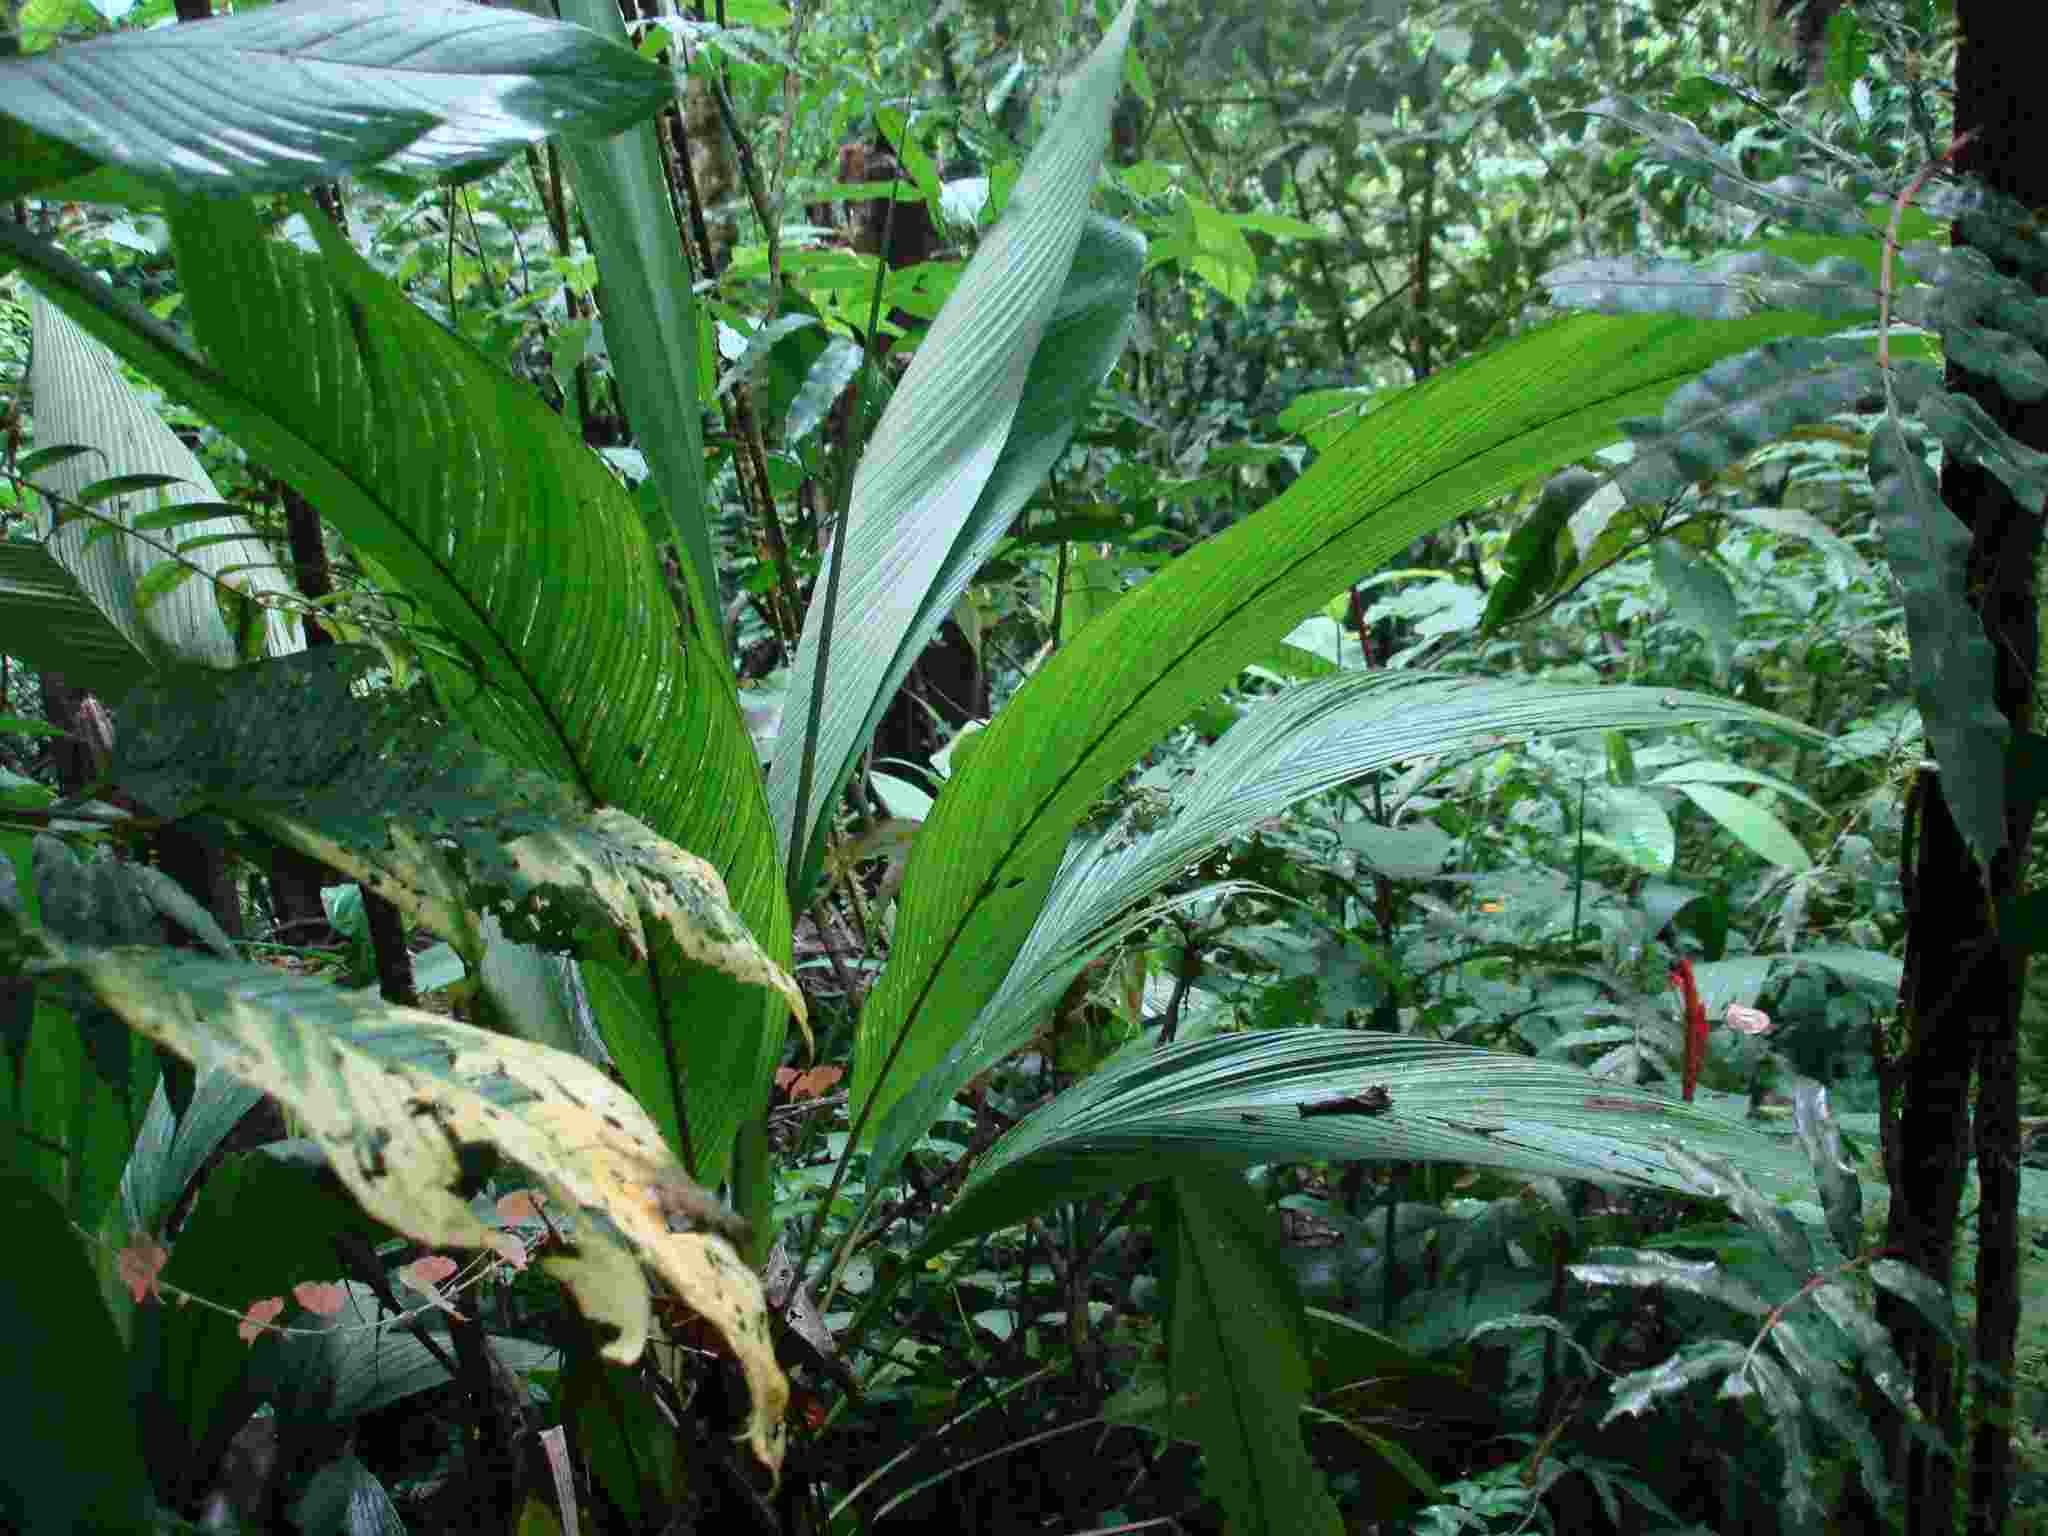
[(1306, 643)]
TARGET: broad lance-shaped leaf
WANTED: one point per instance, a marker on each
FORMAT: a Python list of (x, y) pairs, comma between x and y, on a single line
[(512, 539), (1238, 1373), (80, 397), (1235, 1100), (986, 858), (1955, 671), (925, 501), (623, 194), (394, 1095), (370, 785), (288, 95), (1299, 743)]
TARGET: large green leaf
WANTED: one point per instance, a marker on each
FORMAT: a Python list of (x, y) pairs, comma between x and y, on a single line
[(651, 326), (291, 94), (1238, 1367), (1306, 741), (941, 478), (987, 857), (475, 500), (1235, 1100)]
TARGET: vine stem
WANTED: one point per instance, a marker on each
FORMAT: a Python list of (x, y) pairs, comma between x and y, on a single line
[(1891, 244)]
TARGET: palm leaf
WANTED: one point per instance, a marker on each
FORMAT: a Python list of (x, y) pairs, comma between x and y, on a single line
[(987, 858), (1301, 743), (1235, 1100)]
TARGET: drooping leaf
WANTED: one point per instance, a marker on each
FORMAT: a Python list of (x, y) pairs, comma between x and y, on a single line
[(990, 851), (1235, 1100), (1701, 598), (1639, 1390), (1967, 430), (393, 1094), (1535, 558), (1238, 1362), (1649, 1270), (1926, 1295), (1786, 1404), (1797, 201), (1954, 667), (1714, 1177), (1740, 404), (438, 825), (529, 559), (1881, 1362), (286, 96), (1300, 743), (984, 409), (1841, 1192)]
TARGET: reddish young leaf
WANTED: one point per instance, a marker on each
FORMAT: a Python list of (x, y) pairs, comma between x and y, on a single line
[(1749, 1021), (522, 1205), (260, 1316), (425, 1274), (140, 1263), (323, 1298), (1695, 1024)]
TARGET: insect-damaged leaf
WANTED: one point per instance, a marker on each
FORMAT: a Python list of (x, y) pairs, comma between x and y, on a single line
[(427, 817), (396, 1097)]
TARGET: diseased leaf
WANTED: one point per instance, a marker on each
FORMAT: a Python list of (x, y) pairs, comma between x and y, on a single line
[(431, 820), (394, 1095)]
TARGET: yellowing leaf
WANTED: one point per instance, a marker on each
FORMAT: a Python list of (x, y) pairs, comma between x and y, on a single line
[(396, 1095)]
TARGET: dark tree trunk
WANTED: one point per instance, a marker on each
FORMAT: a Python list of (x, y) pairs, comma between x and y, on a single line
[(295, 878), (1960, 999)]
